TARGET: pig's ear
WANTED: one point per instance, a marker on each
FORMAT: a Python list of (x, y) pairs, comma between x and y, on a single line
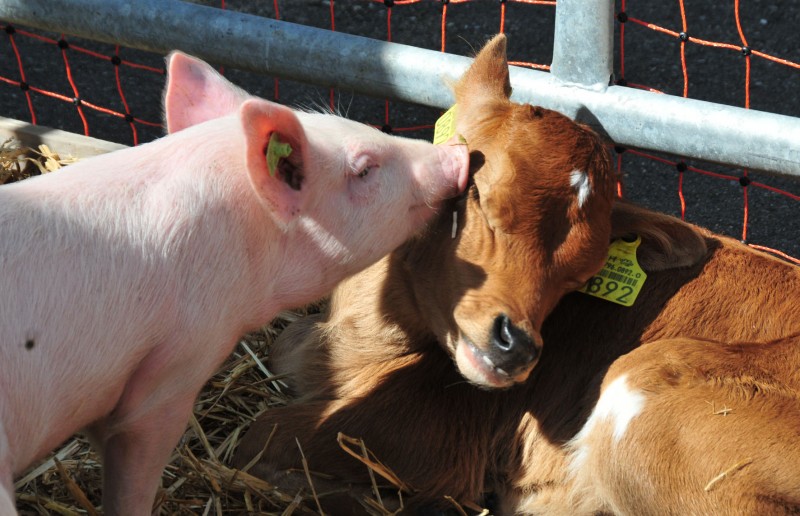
[(195, 92), (283, 189)]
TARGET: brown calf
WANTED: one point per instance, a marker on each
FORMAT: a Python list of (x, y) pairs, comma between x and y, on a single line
[(379, 364)]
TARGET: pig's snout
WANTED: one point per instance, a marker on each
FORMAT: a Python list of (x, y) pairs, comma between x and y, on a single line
[(451, 173)]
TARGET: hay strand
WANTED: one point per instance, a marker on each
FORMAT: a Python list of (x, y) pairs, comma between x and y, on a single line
[(308, 476), (11, 160), (726, 474), (372, 481), (77, 493), (258, 456), (371, 462)]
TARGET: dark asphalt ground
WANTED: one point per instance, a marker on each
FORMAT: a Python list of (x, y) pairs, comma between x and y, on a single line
[(651, 59)]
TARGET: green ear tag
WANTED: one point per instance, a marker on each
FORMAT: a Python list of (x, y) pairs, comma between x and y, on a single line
[(621, 278), (445, 127), (275, 151)]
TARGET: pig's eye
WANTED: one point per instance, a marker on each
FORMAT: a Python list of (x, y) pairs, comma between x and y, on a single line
[(365, 171), (363, 165)]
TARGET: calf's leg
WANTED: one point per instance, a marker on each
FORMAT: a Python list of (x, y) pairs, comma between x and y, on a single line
[(413, 413)]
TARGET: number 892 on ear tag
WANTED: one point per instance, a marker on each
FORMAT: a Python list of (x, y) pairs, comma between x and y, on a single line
[(621, 278)]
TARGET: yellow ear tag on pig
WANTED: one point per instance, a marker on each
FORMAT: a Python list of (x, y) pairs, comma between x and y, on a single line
[(275, 151), (621, 278), (445, 127)]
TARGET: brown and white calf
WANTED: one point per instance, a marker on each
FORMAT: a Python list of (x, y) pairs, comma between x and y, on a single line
[(603, 422)]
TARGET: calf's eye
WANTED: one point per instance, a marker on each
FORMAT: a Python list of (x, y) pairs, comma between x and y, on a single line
[(474, 193), (364, 172)]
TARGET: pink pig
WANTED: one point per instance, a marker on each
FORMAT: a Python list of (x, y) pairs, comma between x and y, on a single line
[(126, 279)]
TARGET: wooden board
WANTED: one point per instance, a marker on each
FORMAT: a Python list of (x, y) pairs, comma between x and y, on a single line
[(62, 142)]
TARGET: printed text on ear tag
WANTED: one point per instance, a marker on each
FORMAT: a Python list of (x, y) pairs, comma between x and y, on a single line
[(275, 151), (621, 278), (445, 127)]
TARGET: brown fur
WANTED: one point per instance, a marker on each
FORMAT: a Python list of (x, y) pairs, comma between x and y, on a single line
[(717, 435), (379, 364)]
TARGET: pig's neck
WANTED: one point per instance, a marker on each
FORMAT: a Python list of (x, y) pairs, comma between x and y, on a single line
[(305, 263)]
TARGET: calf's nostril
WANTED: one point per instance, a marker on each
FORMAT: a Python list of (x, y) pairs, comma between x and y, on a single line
[(508, 337), (501, 332), (511, 346), (511, 350)]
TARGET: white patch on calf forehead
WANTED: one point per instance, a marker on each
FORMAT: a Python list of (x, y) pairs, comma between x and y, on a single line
[(619, 404), (579, 180)]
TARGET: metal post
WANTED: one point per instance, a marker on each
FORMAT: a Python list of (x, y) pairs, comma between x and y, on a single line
[(583, 43)]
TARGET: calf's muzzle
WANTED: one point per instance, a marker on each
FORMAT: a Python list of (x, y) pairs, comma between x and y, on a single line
[(512, 349)]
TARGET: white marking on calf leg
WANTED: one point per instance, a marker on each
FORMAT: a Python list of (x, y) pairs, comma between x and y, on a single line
[(617, 403), (590, 448), (579, 180)]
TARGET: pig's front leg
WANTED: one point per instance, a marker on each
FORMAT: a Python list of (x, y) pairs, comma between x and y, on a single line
[(6, 490), (137, 438), (7, 502), (135, 457), (6, 476)]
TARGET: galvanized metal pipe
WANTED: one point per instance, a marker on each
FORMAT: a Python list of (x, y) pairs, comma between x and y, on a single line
[(583, 43), (690, 128), (248, 42)]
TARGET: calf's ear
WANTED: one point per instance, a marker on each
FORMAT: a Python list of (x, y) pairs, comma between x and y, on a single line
[(483, 89), (274, 150), (195, 92), (487, 77), (667, 242)]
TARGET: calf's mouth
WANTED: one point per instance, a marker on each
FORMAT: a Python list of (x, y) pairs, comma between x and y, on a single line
[(507, 356)]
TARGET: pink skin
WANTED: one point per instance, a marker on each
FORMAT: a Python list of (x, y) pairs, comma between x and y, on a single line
[(126, 279)]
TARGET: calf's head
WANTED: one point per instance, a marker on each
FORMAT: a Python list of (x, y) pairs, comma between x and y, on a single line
[(533, 225)]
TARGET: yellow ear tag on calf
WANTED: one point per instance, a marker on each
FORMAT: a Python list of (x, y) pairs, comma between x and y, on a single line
[(621, 278), (445, 127), (275, 151)]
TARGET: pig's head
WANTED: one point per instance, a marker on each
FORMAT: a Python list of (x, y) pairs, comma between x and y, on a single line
[(533, 225), (357, 192)]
